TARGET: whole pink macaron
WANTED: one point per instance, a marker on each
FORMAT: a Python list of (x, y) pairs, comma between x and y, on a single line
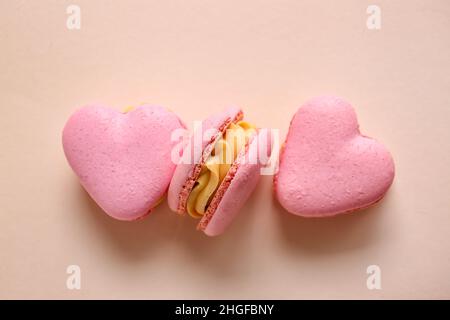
[(207, 184), (327, 166), (122, 159)]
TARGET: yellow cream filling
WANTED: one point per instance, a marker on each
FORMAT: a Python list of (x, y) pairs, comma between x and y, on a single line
[(128, 109), (217, 166)]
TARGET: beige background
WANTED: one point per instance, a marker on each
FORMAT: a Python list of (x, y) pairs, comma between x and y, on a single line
[(198, 56)]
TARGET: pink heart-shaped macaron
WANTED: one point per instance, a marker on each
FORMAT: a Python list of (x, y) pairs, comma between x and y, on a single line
[(123, 160), (326, 166)]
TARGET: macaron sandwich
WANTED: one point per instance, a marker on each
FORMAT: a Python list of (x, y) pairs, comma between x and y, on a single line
[(122, 159), (217, 175), (327, 167)]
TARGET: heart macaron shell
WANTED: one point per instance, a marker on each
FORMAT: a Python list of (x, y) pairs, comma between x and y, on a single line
[(123, 160), (327, 166)]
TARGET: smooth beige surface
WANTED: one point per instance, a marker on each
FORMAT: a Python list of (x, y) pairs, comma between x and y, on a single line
[(195, 57)]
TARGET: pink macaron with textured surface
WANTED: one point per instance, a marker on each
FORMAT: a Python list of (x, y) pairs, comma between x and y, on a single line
[(123, 160), (327, 166), (237, 185)]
